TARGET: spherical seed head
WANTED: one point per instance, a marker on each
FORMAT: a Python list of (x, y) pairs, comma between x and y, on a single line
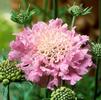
[(9, 72), (96, 50), (63, 93)]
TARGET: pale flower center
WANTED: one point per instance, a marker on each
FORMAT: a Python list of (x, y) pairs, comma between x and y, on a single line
[(53, 46)]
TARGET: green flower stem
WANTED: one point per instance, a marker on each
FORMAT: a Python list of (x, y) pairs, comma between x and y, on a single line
[(98, 60), (73, 21), (99, 39), (96, 78), (6, 92), (55, 8), (25, 25), (62, 83), (25, 3), (48, 93), (45, 5)]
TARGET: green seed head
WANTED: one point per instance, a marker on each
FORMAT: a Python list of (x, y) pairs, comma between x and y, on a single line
[(21, 16), (96, 50), (1, 77), (63, 93), (78, 10), (9, 72), (75, 10)]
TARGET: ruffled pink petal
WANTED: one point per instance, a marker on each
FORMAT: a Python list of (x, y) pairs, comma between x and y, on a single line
[(52, 83), (55, 23)]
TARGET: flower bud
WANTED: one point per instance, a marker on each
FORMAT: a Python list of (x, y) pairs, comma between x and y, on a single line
[(22, 16), (5, 81), (96, 49), (76, 10), (63, 93)]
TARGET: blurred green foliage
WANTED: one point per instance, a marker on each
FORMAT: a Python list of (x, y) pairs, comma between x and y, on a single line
[(6, 30), (23, 91), (85, 88), (27, 91)]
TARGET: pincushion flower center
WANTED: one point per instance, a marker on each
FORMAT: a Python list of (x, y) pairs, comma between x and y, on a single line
[(53, 46)]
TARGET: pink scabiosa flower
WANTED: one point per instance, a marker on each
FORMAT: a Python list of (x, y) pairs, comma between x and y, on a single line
[(51, 52)]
